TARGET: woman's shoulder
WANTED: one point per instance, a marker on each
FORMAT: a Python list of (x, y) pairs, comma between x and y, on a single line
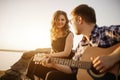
[(70, 33)]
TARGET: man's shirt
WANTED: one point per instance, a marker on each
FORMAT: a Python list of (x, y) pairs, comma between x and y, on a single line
[(100, 36)]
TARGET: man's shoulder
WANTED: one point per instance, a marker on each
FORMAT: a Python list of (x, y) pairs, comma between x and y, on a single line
[(110, 26)]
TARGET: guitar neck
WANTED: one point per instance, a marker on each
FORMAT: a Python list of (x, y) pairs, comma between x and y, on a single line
[(72, 63)]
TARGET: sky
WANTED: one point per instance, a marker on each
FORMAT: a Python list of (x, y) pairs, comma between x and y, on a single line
[(25, 24)]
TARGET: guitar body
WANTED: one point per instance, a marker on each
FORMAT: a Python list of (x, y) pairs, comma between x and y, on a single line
[(84, 74)]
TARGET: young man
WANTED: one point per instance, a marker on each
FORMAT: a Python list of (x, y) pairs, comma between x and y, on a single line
[(84, 22)]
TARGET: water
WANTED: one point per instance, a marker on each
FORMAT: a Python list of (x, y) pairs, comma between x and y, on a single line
[(8, 58)]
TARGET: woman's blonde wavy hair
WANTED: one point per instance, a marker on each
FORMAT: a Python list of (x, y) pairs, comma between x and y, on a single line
[(64, 30)]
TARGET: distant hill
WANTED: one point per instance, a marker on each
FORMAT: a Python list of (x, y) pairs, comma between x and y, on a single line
[(38, 50)]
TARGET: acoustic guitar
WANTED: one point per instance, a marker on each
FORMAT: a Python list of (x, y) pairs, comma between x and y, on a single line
[(86, 70)]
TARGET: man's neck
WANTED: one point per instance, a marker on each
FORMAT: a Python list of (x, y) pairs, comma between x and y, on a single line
[(88, 29)]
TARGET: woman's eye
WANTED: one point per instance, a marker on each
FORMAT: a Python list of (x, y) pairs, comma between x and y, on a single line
[(62, 19)]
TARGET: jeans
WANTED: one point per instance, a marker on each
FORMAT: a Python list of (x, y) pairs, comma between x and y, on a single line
[(22, 64), (48, 73)]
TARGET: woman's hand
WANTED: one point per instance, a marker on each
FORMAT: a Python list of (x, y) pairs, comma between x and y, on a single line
[(43, 59), (39, 57), (45, 62)]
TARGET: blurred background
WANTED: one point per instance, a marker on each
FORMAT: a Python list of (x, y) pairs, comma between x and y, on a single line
[(25, 24)]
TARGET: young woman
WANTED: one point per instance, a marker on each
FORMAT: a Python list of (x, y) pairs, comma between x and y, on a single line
[(61, 46)]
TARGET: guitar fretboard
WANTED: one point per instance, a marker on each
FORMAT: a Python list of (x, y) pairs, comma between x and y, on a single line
[(72, 63)]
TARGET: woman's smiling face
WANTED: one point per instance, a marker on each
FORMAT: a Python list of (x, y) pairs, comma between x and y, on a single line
[(61, 21)]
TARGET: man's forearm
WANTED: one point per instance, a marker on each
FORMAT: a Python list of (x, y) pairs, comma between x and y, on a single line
[(116, 55)]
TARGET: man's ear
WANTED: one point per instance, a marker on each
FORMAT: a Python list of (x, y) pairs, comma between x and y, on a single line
[(79, 19)]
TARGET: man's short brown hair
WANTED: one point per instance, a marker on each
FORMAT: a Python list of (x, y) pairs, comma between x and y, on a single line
[(86, 12)]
